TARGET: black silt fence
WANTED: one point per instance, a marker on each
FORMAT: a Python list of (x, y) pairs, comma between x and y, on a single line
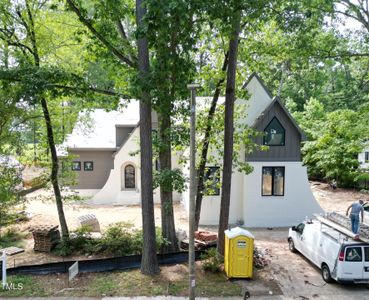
[(99, 265)]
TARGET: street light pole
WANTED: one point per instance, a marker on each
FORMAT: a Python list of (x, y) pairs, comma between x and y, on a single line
[(191, 234)]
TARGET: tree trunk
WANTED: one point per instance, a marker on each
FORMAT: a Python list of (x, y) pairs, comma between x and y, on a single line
[(149, 262), (205, 147), (49, 129), (166, 196), (228, 132), (54, 169)]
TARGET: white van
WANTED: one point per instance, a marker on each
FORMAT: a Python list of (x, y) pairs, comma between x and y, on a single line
[(339, 257)]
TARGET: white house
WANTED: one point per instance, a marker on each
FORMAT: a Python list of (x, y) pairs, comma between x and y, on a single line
[(363, 158), (276, 193)]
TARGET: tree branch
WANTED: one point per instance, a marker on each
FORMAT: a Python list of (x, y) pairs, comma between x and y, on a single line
[(92, 89), (102, 39), (121, 30)]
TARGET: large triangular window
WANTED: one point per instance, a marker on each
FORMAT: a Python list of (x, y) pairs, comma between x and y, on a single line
[(274, 133)]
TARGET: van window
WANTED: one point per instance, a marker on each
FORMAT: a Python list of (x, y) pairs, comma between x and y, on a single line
[(366, 253), (353, 254), (300, 228)]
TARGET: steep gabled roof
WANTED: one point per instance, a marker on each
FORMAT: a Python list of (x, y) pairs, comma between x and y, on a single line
[(293, 121), (254, 75)]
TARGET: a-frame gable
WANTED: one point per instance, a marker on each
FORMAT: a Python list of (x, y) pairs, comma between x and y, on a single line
[(255, 76), (260, 98), (292, 119), (289, 150)]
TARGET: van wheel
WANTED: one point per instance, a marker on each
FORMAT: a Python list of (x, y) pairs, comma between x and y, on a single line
[(326, 274), (291, 245)]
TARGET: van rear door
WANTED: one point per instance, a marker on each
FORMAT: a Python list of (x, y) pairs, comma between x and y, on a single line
[(366, 263), (352, 266)]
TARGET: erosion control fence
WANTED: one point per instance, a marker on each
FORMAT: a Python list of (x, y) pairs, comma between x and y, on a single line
[(100, 265)]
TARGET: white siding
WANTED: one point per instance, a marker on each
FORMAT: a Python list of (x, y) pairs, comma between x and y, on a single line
[(278, 211)]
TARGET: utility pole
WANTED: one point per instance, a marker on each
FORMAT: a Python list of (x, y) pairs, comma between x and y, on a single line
[(191, 234)]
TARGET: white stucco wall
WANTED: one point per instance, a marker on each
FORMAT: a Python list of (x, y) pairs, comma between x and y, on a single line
[(210, 208), (112, 192), (278, 211), (249, 206), (259, 100)]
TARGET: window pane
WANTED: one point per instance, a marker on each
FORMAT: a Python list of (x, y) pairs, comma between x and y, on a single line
[(267, 181), (366, 252), (278, 182), (88, 166), (129, 177), (366, 156), (274, 133), (76, 166), (353, 254)]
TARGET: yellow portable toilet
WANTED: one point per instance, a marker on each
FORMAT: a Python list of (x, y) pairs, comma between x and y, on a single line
[(238, 253)]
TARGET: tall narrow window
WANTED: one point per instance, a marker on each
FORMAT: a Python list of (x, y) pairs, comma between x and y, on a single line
[(129, 177), (274, 133), (273, 181), (366, 156)]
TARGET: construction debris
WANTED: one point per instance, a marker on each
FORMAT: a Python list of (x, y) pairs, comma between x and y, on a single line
[(206, 236), (45, 237), (261, 259), (89, 220), (11, 250), (203, 240)]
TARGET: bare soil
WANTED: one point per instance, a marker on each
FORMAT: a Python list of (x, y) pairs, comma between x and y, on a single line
[(287, 273)]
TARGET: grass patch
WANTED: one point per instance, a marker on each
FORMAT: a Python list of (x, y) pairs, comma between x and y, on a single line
[(172, 280), (22, 285), (11, 237)]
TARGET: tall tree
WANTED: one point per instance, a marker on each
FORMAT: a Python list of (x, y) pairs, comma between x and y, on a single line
[(228, 129), (149, 262), (23, 20), (205, 144)]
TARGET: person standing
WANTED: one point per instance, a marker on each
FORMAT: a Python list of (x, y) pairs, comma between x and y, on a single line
[(356, 209)]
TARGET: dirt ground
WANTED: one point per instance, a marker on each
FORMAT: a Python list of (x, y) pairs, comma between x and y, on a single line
[(287, 273)]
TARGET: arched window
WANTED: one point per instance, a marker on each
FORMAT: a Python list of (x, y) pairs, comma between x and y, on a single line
[(129, 177), (274, 133)]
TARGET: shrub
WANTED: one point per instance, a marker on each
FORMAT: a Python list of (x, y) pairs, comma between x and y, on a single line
[(211, 260), (118, 240), (80, 241)]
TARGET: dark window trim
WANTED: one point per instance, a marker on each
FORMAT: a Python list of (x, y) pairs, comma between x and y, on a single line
[(366, 156), (207, 168), (84, 166), (79, 165), (284, 181), (284, 134)]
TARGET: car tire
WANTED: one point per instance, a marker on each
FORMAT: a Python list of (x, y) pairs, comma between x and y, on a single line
[(326, 274), (291, 245)]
